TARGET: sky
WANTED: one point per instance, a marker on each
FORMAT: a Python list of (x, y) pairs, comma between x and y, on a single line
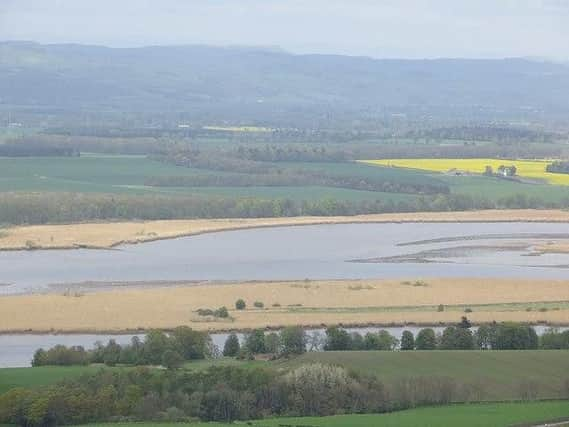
[(376, 28)]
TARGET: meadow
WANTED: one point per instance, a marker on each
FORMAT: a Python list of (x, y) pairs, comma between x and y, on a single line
[(498, 373), (474, 415), (534, 169), (45, 375)]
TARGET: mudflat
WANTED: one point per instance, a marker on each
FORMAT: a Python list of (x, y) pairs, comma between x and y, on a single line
[(106, 235), (306, 303)]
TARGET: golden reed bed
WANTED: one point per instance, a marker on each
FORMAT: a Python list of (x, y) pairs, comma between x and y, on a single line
[(105, 235), (308, 303)]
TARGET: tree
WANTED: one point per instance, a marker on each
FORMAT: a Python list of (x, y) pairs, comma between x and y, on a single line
[(455, 338), (485, 337), (337, 339), (513, 336), (465, 323), (273, 343), (240, 304), (255, 342), (426, 339), (189, 343), (155, 344), (293, 340), (407, 341), (112, 353), (172, 359), (40, 358), (232, 346), (386, 341)]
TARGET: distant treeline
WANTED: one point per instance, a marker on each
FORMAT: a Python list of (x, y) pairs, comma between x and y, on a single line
[(76, 144), (292, 177), (558, 167), (36, 148), (483, 133), (44, 208)]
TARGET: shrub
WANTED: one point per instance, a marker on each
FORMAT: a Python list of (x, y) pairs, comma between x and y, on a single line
[(172, 359), (258, 304), (240, 304), (221, 312)]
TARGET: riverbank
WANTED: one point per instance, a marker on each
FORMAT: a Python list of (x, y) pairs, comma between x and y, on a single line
[(108, 235), (305, 303)]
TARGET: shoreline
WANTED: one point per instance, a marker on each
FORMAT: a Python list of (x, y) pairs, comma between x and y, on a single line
[(115, 332), (109, 235)]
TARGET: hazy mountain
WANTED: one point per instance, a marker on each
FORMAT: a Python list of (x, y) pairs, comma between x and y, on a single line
[(202, 78)]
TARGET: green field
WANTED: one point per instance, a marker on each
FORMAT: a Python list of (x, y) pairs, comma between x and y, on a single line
[(491, 415), (495, 188), (35, 377), (129, 174), (501, 373)]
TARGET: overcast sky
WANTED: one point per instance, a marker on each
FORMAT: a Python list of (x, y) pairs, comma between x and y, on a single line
[(378, 28)]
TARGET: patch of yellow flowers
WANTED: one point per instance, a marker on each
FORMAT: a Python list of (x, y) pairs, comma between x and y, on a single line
[(533, 169)]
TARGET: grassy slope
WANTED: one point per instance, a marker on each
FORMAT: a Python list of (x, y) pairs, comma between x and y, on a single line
[(496, 415), (35, 377), (461, 415), (501, 371)]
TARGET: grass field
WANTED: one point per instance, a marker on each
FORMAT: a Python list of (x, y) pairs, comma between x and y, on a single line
[(500, 373), (128, 175), (534, 169), (496, 188), (35, 377), (476, 415)]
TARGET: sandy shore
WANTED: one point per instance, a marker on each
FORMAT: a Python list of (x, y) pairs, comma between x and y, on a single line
[(308, 303), (107, 235)]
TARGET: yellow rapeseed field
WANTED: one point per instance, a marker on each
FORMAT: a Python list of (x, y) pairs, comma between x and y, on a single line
[(534, 169)]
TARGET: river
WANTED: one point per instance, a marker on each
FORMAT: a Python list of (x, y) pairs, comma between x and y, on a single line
[(343, 251)]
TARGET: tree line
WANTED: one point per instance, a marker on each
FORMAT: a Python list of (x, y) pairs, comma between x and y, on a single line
[(558, 167), (252, 166), (495, 336), (220, 394), (158, 348)]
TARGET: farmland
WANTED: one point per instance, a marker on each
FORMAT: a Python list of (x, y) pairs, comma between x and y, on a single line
[(534, 169)]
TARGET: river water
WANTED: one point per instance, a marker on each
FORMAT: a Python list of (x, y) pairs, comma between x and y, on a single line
[(411, 250)]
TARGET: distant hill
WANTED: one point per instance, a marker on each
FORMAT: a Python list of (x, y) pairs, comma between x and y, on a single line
[(240, 79)]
